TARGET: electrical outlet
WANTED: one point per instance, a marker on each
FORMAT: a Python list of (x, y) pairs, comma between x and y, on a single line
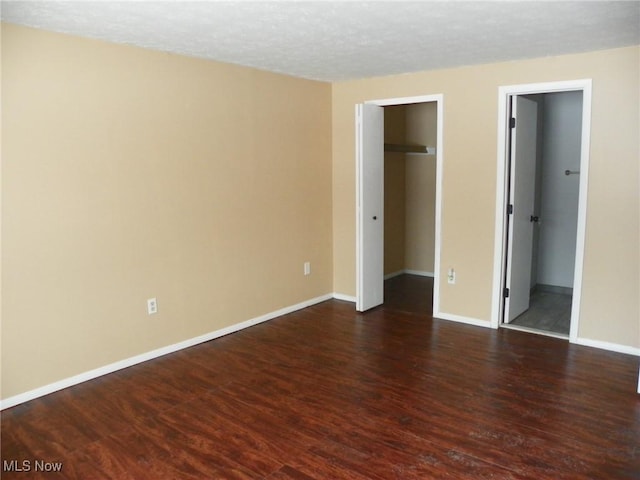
[(152, 306), (451, 276), (307, 268)]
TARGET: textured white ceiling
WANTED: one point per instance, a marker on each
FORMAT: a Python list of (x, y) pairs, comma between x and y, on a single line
[(333, 41)]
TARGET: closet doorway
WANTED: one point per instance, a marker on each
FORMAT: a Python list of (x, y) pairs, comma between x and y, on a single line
[(410, 139), (545, 166), (398, 144)]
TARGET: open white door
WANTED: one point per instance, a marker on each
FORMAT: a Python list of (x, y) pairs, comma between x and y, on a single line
[(521, 198), (370, 202)]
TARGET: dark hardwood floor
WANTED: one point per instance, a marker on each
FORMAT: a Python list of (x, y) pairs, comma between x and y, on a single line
[(327, 393), (409, 293)]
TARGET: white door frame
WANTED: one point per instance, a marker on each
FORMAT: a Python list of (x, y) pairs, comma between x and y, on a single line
[(504, 93), (439, 99)]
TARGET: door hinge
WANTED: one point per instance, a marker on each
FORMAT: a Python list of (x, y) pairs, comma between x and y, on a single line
[(505, 293), (512, 122), (510, 209)]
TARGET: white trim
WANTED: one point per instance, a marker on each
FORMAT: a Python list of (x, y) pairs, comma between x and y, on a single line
[(439, 99), (344, 298), (359, 218), (113, 367), (460, 319), (504, 93), (394, 274), (420, 273), (582, 210), (536, 331), (386, 102), (438, 216), (501, 202), (613, 347)]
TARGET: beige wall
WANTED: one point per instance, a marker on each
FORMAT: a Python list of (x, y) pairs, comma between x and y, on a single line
[(394, 191), (129, 174), (422, 129), (610, 306)]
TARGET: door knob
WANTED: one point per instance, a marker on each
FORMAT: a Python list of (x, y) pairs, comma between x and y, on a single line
[(375, 218), (534, 218)]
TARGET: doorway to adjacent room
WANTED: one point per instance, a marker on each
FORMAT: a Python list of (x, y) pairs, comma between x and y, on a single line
[(541, 206)]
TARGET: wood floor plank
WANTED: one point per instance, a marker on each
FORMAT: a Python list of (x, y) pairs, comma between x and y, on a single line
[(327, 392)]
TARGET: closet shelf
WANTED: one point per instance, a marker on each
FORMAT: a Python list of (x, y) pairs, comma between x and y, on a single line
[(395, 147)]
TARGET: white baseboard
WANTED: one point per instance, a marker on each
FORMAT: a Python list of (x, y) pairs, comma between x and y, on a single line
[(128, 362), (393, 274), (113, 367), (409, 272), (419, 272), (460, 319), (613, 347), (346, 298)]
